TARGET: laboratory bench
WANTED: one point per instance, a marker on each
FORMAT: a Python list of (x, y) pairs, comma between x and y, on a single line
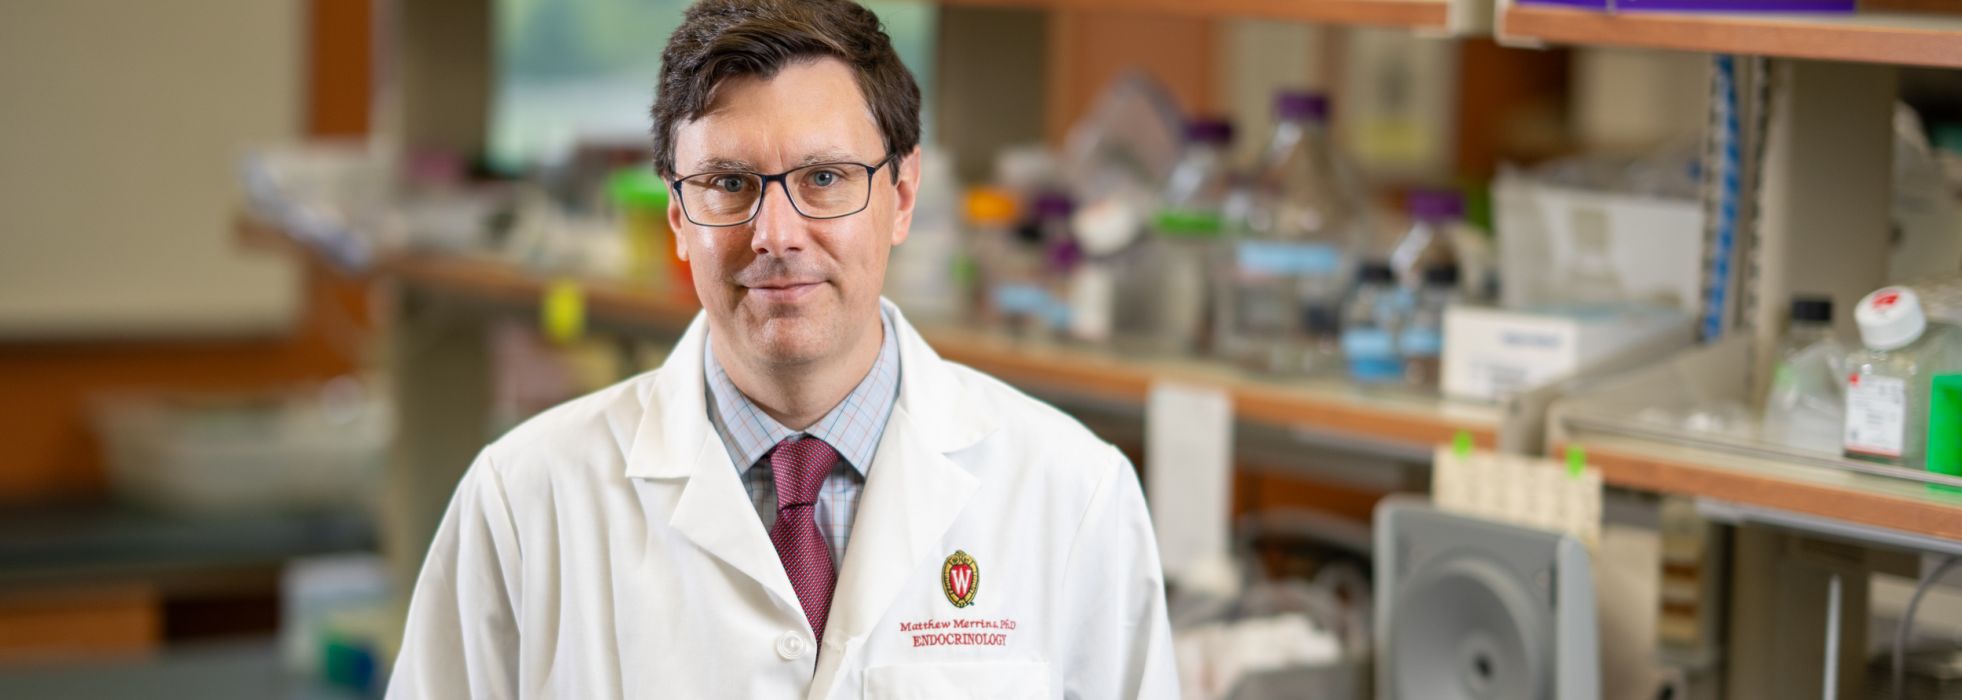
[(102, 580), (44, 545), (250, 668)]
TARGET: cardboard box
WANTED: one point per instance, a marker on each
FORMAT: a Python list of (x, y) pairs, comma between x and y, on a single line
[(1653, 246), (1492, 353)]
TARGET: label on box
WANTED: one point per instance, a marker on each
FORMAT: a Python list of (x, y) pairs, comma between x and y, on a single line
[(1876, 414)]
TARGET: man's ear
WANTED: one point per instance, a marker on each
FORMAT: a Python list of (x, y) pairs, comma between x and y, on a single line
[(675, 220), (909, 194)]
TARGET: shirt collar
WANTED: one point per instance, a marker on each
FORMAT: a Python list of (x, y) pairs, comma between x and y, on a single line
[(853, 427)]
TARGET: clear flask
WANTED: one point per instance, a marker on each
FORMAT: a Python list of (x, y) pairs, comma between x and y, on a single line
[(1291, 245)]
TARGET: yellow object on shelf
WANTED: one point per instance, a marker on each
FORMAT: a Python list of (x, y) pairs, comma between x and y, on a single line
[(562, 313)]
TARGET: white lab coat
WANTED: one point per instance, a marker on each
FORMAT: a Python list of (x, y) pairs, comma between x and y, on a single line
[(606, 549)]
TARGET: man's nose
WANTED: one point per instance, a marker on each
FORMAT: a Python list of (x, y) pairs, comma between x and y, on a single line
[(778, 229)]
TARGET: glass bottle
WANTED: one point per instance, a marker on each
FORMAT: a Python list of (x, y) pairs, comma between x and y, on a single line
[(1162, 305), (1805, 407), (999, 258), (1426, 245), (1370, 324), (1421, 341), (1291, 245)]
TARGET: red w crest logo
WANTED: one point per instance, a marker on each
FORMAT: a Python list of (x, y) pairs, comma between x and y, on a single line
[(960, 579)]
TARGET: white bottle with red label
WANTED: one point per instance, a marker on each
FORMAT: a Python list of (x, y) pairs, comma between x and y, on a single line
[(1888, 379)]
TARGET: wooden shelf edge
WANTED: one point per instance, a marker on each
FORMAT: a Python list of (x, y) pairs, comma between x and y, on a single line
[(1092, 373), (1820, 38), (1853, 505), (615, 301), (1412, 14), (607, 301), (1105, 376)]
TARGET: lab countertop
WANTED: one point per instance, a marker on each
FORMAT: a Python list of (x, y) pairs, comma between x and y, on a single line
[(41, 544), (242, 669)]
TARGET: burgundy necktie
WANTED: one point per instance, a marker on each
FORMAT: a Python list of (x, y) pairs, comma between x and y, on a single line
[(799, 467)]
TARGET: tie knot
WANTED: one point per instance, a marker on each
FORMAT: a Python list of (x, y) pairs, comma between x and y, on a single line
[(799, 466)]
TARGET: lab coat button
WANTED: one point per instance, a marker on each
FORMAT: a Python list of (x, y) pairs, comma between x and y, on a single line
[(791, 646)]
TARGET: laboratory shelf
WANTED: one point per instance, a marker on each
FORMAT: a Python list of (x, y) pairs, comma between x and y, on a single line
[(1893, 37), (496, 282), (1309, 406), (1680, 426), (1397, 421), (1433, 15), (1815, 487)]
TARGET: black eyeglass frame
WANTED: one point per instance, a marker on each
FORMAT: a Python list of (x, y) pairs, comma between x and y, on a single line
[(782, 180)]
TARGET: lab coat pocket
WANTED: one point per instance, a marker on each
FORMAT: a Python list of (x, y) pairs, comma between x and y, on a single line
[(1004, 680)]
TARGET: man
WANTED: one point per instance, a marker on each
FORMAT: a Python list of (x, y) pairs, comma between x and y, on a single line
[(804, 501)]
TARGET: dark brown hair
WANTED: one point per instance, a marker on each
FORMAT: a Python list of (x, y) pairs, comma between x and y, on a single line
[(723, 39)]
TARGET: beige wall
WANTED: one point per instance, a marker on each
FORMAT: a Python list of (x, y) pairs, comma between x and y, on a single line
[(120, 131)]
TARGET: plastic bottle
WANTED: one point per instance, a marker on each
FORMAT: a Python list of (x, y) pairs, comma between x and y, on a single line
[(1061, 256), (1164, 297), (1421, 341), (1427, 244), (1003, 262), (1805, 407), (1370, 324), (1292, 247), (1888, 380)]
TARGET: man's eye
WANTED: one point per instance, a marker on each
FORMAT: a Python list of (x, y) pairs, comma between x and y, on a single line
[(824, 178), (729, 183)]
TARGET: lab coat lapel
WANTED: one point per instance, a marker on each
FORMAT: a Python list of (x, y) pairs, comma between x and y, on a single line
[(913, 494), (676, 444)]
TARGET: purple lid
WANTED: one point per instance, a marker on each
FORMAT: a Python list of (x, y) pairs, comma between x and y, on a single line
[(1065, 255), (1213, 131), (1050, 205), (1429, 205), (1301, 104)]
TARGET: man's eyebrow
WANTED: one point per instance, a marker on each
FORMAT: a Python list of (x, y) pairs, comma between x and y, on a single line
[(830, 155), (827, 156), (723, 165)]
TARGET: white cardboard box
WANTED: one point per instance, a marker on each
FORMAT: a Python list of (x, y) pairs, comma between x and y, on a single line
[(1652, 245), (1492, 353)]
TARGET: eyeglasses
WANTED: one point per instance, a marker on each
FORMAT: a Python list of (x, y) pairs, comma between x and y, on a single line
[(820, 191)]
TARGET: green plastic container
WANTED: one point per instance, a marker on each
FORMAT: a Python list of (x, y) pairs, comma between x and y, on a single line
[(1945, 429)]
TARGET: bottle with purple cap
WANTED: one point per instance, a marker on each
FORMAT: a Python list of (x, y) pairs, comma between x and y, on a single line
[(1291, 247), (1434, 213)]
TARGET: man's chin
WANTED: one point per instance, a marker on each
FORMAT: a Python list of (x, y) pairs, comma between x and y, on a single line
[(791, 340)]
